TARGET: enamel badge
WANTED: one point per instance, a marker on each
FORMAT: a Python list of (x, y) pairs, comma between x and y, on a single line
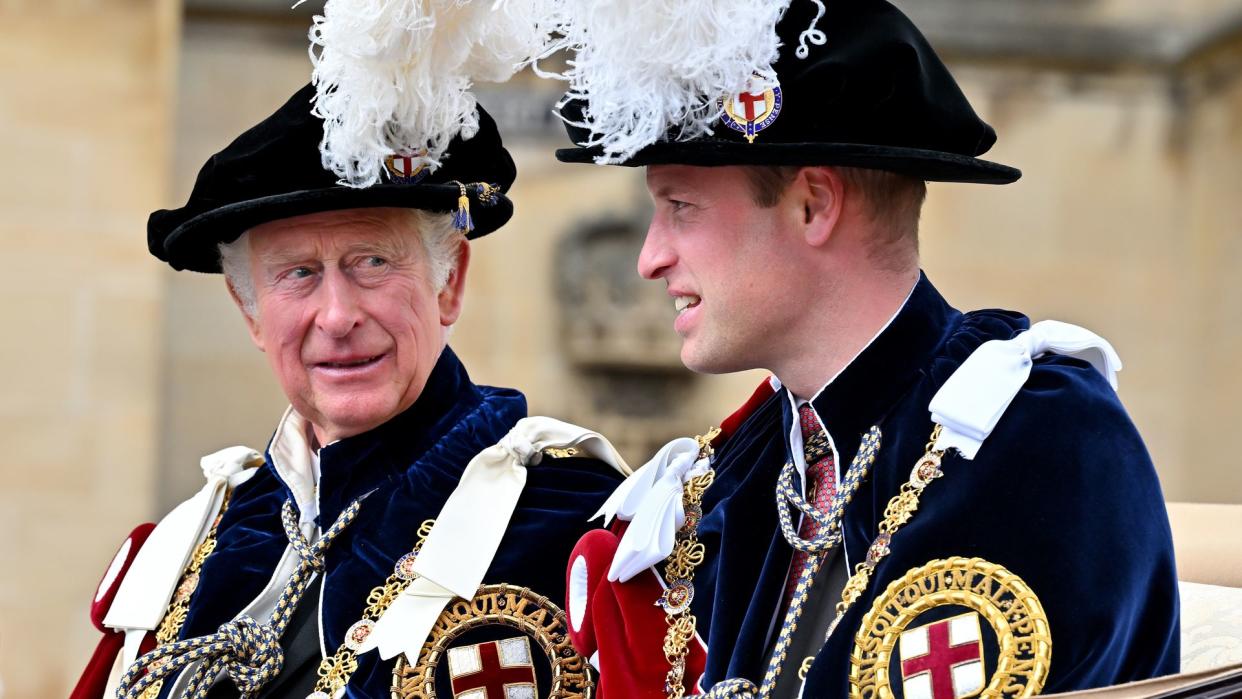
[(952, 629), (501, 668), (406, 169), (505, 643), (754, 109), (942, 659)]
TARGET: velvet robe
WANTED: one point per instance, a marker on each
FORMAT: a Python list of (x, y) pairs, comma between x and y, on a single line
[(409, 466), (1063, 494)]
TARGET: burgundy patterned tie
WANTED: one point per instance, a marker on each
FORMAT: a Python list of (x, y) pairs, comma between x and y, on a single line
[(821, 486)]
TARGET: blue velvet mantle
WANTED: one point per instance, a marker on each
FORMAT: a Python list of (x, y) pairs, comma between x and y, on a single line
[(412, 464), (1063, 494)]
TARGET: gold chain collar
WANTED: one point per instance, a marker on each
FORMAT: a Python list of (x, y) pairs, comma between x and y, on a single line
[(899, 510), (679, 570), (336, 670)]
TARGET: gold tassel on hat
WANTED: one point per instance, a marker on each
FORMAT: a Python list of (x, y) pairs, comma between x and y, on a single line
[(461, 218)]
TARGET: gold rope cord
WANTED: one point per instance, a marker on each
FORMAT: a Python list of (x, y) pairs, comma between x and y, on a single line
[(170, 627), (897, 512)]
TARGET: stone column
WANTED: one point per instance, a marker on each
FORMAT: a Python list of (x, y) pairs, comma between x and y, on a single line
[(85, 109)]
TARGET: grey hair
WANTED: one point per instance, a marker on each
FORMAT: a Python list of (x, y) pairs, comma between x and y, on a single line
[(440, 239)]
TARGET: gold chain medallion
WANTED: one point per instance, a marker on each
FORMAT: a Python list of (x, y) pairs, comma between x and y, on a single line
[(485, 641), (942, 655)]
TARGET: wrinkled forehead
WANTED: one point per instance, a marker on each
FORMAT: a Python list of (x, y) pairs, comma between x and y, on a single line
[(333, 233)]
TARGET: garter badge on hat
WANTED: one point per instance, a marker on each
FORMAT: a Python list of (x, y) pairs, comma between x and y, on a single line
[(952, 629), (406, 169), (754, 109)]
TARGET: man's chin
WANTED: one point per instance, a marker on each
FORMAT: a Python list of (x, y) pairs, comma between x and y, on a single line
[(715, 358), (701, 362)]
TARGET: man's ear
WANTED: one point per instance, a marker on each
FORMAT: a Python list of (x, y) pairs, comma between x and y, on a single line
[(820, 191), (451, 297), (252, 323)]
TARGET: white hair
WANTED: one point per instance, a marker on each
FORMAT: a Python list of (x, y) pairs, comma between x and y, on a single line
[(439, 237)]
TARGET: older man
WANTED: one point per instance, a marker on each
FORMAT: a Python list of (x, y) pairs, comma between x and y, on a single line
[(923, 502), (385, 519)]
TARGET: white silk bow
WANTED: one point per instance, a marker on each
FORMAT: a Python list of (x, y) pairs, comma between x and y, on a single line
[(148, 586), (651, 501), (462, 543), (972, 401)]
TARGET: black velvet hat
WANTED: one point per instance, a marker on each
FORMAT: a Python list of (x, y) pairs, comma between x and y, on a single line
[(872, 95), (274, 171)]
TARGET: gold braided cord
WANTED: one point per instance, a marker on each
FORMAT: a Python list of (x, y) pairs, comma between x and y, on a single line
[(336, 670), (899, 510), (679, 569)]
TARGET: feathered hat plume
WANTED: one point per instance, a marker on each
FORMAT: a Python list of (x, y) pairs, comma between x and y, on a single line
[(396, 76), (645, 69)]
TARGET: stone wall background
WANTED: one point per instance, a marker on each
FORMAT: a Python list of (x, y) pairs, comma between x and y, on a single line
[(1125, 115)]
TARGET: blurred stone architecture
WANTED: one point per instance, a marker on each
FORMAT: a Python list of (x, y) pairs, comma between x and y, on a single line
[(1125, 115)]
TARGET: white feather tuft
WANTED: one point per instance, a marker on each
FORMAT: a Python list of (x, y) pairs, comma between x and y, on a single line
[(394, 76), (647, 68)]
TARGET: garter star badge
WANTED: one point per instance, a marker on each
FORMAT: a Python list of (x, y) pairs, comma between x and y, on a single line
[(952, 629), (754, 109), (505, 643)]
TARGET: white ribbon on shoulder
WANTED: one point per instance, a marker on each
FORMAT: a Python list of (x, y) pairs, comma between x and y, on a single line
[(462, 543), (972, 401), (152, 578), (650, 500), (148, 586)]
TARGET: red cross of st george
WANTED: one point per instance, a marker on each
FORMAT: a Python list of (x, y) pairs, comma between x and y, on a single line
[(492, 676), (940, 659), (748, 101)]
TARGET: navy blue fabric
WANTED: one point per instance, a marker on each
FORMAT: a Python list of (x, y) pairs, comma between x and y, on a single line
[(410, 465), (1063, 494)]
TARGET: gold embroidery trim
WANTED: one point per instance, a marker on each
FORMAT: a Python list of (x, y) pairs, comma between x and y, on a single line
[(679, 570), (519, 608), (336, 670), (1005, 601)]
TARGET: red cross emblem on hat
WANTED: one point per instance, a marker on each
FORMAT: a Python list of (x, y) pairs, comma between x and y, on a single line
[(406, 169), (493, 670), (754, 109), (943, 660)]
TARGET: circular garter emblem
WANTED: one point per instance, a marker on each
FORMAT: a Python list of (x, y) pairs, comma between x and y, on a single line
[(506, 642), (754, 109), (932, 634)]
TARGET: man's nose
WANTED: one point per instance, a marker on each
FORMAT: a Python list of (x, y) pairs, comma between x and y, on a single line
[(656, 257), (340, 312)]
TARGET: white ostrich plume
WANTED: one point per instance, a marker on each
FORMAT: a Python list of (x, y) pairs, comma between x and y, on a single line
[(647, 68), (395, 76)]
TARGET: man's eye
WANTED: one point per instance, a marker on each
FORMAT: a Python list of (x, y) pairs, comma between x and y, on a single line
[(374, 261), (299, 273), (677, 205)]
